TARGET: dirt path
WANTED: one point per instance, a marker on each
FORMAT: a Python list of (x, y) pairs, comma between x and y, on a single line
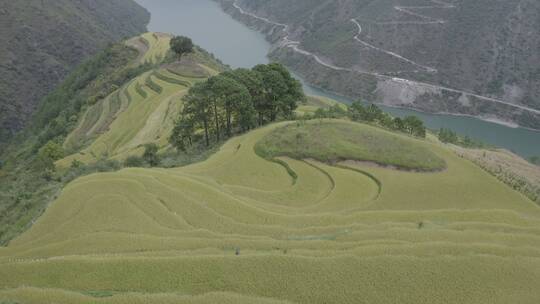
[(357, 38), (412, 11)]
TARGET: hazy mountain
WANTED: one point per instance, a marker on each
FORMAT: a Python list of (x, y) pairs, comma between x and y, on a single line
[(45, 39)]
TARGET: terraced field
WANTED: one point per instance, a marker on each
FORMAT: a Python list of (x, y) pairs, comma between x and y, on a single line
[(324, 211), (141, 112), (239, 228), (153, 47)]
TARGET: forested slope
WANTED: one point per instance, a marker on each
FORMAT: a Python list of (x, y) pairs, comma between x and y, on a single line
[(43, 40)]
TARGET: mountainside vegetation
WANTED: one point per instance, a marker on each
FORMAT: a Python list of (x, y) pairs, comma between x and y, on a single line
[(96, 105), (159, 176), (237, 101), (26, 183), (44, 40), (477, 57)]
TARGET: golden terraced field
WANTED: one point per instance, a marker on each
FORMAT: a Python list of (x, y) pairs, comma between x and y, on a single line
[(240, 224), (309, 221)]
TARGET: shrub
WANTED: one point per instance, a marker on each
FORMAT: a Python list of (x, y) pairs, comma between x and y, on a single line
[(52, 151), (108, 165), (48, 154), (150, 154), (181, 45), (134, 162), (76, 164)]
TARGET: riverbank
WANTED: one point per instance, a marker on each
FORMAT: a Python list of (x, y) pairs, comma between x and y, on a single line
[(241, 46), (380, 88)]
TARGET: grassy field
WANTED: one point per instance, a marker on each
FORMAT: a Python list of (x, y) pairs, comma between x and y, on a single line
[(507, 167), (350, 141), (316, 102), (238, 228)]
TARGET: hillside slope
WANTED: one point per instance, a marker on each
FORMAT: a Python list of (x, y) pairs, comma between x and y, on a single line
[(319, 211), (476, 57), (141, 112), (240, 225), (108, 109), (44, 40)]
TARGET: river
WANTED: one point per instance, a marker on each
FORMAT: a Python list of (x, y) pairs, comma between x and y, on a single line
[(237, 45)]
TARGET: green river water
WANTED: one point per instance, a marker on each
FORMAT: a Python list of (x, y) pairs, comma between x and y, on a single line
[(239, 46)]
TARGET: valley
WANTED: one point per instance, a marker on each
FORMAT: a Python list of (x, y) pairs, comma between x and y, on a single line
[(286, 42), (251, 48), (157, 173), (395, 90), (321, 207)]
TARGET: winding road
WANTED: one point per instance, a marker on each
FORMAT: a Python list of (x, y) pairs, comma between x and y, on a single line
[(428, 20), (295, 45), (357, 38), (408, 10)]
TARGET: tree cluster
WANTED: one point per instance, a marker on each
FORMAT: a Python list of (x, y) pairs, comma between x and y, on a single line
[(448, 136), (181, 45), (335, 111), (236, 101), (49, 153), (373, 114)]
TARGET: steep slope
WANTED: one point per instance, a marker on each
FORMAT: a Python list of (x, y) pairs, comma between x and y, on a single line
[(237, 223), (123, 98), (44, 40), (468, 57), (141, 112)]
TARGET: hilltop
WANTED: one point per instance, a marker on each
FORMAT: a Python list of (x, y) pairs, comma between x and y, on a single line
[(455, 56), (45, 40), (305, 210)]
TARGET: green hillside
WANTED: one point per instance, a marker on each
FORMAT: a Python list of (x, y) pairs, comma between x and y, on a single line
[(141, 112), (47, 40), (349, 142), (96, 119), (296, 211), (485, 47)]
